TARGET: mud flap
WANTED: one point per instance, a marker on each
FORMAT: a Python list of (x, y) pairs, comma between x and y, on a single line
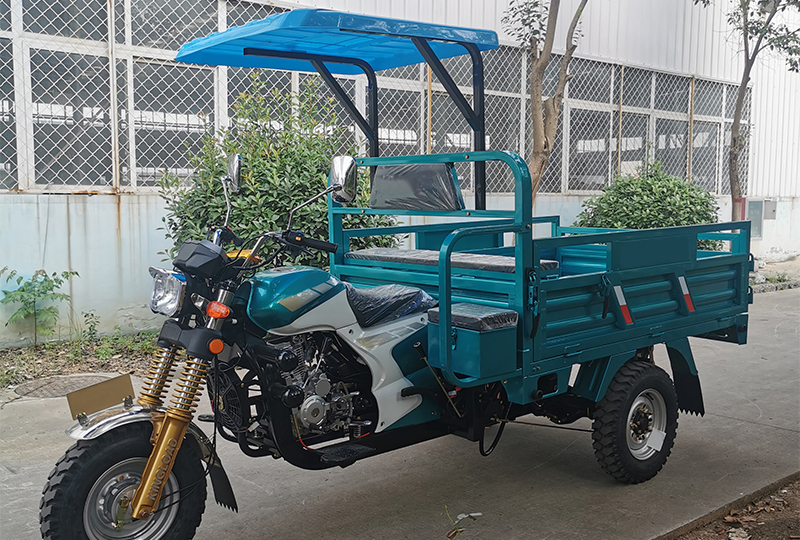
[(223, 491), (684, 373)]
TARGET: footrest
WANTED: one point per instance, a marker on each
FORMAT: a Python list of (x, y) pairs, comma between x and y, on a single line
[(345, 454)]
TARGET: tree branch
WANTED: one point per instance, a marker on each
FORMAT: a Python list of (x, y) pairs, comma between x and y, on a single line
[(780, 37), (556, 99), (549, 37), (545, 115), (766, 24), (744, 4)]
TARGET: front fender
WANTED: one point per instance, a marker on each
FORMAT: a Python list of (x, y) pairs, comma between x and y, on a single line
[(106, 420)]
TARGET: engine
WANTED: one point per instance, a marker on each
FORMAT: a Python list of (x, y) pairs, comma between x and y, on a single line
[(325, 386)]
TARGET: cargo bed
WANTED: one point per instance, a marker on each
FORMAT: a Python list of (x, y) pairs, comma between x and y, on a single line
[(591, 297)]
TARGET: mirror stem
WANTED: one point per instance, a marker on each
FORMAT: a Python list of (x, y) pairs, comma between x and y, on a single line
[(330, 189), (225, 182)]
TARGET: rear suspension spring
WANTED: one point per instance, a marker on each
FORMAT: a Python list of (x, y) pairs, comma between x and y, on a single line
[(162, 367)]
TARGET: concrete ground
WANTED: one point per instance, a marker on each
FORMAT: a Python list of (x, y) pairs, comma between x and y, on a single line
[(540, 483)]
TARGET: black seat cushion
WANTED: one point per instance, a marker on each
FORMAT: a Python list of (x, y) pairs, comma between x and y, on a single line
[(477, 317), (416, 186), (429, 257), (387, 303)]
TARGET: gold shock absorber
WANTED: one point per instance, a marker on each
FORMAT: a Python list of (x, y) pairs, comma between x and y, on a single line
[(169, 437), (162, 366)]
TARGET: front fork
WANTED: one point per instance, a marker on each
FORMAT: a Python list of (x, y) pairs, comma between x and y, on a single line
[(169, 428)]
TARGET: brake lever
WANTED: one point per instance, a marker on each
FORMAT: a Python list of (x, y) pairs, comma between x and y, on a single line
[(299, 249), (294, 249)]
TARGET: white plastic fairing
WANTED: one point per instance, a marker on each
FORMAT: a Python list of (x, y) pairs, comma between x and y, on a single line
[(375, 346), (330, 315)]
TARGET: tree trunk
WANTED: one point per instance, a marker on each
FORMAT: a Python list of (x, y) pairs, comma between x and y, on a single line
[(544, 116), (737, 202)]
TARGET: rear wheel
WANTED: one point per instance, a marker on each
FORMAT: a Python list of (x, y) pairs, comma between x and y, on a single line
[(86, 494), (635, 423)]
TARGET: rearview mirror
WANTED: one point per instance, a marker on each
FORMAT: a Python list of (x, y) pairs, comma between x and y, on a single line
[(344, 172), (234, 171)]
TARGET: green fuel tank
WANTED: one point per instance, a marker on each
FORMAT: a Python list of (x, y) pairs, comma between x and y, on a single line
[(279, 296)]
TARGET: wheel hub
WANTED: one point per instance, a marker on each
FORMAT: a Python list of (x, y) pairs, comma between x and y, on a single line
[(107, 511), (642, 422), (647, 415)]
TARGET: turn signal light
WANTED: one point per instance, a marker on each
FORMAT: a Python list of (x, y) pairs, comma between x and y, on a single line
[(217, 310), (215, 346)]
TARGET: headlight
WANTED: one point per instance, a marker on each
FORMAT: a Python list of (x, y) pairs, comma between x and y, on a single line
[(169, 288)]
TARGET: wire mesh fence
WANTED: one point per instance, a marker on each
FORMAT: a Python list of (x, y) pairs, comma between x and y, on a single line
[(90, 100)]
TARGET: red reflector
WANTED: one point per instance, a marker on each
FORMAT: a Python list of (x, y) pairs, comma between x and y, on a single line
[(215, 346), (217, 310), (685, 291), (623, 305)]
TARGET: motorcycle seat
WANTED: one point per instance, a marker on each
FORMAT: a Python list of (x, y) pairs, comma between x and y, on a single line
[(386, 303)]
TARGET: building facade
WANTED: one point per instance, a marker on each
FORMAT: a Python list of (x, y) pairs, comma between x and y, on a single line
[(93, 110)]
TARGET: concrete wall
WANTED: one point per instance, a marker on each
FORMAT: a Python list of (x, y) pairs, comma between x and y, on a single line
[(783, 232), (109, 240), (112, 240)]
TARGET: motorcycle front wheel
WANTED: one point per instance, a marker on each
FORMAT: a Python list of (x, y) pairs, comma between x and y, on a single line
[(86, 493)]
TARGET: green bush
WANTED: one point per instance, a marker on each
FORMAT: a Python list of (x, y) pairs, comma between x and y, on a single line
[(286, 143), (41, 288), (647, 200)]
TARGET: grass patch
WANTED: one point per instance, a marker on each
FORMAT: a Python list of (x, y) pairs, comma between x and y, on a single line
[(118, 352), (781, 277)]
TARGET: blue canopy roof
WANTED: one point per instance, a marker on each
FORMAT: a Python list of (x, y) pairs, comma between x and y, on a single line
[(383, 43)]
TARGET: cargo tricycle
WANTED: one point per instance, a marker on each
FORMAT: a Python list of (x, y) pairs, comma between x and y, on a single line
[(487, 315)]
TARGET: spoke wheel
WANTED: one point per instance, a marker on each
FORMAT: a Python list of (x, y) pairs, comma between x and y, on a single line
[(635, 423), (87, 494)]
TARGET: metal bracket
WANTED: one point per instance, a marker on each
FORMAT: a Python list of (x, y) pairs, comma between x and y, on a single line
[(605, 291), (533, 283)]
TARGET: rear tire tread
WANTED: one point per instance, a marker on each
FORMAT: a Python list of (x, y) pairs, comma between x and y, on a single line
[(607, 444)]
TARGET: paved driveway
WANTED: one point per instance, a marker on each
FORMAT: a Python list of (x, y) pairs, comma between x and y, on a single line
[(540, 483)]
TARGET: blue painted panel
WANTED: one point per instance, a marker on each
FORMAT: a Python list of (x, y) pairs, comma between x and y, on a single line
[(281, 295), (383, 43)]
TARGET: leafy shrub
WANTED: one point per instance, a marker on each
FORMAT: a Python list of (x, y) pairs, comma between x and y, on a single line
[(286, 143), (647, 200), (40, 289)]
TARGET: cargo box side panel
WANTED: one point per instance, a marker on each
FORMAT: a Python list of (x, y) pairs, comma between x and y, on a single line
[(578, 313)]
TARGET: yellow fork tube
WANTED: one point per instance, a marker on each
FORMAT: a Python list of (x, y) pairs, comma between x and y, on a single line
[(169, 437)]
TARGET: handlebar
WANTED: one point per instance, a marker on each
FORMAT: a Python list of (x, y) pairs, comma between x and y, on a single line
[(299, 239), (225, 234)]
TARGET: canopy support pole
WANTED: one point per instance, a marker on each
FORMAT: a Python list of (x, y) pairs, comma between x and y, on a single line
[(369, 125), (474, 116)]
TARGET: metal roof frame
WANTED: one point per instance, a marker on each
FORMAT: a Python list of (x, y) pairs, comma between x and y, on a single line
[(333, 42)]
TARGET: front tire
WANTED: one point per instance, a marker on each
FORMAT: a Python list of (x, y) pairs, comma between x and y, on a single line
[(635, 423), (81, 499)]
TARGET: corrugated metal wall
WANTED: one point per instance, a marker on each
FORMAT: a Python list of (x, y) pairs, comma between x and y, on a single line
[(676, 36), (775, 169), (670, 35)]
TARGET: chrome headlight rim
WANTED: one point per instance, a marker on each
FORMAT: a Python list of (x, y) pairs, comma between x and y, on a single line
[(171, 282)]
